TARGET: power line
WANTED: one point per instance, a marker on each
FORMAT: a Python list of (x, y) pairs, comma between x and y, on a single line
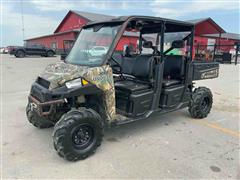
[(22, 20)]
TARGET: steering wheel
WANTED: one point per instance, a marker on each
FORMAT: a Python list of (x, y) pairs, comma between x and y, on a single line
[(117, 68)]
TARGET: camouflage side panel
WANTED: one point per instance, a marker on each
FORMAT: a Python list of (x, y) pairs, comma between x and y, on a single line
[(58, 74), (102, 77)]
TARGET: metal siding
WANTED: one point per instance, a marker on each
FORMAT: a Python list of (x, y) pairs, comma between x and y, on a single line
[(126, 40), (205, 28), (223, 41), (73, 21), (47, 41)]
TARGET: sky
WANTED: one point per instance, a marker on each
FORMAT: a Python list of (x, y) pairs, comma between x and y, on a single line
[(41, 17)]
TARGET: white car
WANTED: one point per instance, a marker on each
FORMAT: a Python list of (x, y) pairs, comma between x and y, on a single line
[(98, 50), (4, 50)]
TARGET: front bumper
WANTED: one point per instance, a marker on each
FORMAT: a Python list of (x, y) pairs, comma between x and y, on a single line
[(44, 108), (46, 102), (12, 52)]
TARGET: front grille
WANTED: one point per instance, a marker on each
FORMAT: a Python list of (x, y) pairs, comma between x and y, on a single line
[(37, 94), (43, 82)]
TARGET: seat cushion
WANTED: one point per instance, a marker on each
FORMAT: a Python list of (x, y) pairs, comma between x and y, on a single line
[(143, 67), (167, 83), (130, 86), (174, 66), (140, 66)]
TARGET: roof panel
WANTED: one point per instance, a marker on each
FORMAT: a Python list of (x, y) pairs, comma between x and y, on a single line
[(225, 35), (196, 21), (94, 16)]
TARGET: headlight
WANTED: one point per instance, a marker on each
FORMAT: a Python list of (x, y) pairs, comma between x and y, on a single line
[(76, 83)]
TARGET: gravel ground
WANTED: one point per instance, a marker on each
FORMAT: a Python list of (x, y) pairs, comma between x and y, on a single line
[(168, 146)]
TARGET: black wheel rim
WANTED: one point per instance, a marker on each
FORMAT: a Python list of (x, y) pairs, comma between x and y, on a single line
[(82, 136), (205, 104), (20, 54)]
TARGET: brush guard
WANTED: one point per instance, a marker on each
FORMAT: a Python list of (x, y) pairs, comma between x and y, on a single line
[(45, 108)]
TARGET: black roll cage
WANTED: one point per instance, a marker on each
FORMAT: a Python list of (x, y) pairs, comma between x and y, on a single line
[(167, 25)]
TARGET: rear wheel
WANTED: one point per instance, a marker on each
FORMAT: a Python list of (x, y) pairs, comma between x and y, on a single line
[(78, 134), (36, 120), (20, 54), (201, 103)]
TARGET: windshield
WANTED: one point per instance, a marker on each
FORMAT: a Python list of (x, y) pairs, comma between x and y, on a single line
[(92, 45)]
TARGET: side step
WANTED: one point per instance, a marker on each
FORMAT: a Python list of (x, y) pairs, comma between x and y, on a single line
[(122, 119)]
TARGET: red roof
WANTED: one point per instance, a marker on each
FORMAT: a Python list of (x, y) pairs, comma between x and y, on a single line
[(87, 16), (55, 34)]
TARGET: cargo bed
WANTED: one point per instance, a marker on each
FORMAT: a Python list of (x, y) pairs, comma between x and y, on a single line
[(205, 70)]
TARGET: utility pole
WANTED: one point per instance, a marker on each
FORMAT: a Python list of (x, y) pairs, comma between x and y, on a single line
[(22, 20)]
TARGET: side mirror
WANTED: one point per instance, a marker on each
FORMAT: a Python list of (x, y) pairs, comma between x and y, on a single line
[(63, 56), (178, 44)]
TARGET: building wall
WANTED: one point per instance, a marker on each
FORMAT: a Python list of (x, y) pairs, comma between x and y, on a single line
[(71, 22), (219, 41), (205, 28), (58, 39), (204, 47), (127, 40)]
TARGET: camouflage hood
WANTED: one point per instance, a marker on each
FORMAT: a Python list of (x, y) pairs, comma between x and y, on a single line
[(58, 74)]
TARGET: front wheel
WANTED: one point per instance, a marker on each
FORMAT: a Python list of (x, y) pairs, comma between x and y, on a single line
[(78, 134), (201, 103), (36, 120)]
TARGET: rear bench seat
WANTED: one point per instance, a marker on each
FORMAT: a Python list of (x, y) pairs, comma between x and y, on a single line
[(174, 69), (141, 67)]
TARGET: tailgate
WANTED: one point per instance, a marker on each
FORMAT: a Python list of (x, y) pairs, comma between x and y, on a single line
[(205, 70)]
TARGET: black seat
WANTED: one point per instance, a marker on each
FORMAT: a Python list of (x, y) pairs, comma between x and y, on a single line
[(174, 69), (167, 83), (130, 86), (141, 67), (127, 65)]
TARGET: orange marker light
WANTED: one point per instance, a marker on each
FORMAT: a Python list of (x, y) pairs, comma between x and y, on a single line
[(84, 82)]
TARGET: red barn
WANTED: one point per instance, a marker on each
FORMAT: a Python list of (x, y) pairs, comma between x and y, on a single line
[(207, 33), (68, 30)]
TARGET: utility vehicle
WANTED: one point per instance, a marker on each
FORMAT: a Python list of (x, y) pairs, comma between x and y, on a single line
[(83, 95)]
